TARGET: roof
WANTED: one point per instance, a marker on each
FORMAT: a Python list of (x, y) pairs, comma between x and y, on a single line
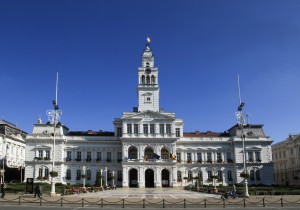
[(91, 133), (205, 134)]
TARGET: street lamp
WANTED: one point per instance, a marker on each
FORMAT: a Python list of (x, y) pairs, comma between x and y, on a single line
[(54, 116), (242, 121)]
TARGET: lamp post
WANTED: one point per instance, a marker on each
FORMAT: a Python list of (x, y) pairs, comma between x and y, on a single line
[(101, 171), (54, 116), (105, 176), (242, 121)]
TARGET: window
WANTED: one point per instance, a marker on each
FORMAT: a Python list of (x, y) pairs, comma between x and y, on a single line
[(99, 156), (161, 129), (108, 156), (190, 175), (148, 99), (229, 175), (250, 156), (257, 175), (199, 157), (129, 128), (119, 132), (89, 155), (257, 156), (251, 175), (78, 174), (40, 172), (229, 159), (40, 153), (119, 156), (46, 172), (219, 157), (145, 128), (168, 128), (164, 154), (48, 154), (209, 157), (78, 156), (68, 174), (143, 79), (120, 177), (132, 153), (88, 174), (177, 132), (209, 174), (178, 155), (200, 174), (152, 79), (69, 155), (152, 129), (109, 175), (189, 157), (136, 128), (220, 174), (148, 80), (179, 176)]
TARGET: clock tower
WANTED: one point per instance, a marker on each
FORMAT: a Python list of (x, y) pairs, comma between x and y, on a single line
[(148, 89)]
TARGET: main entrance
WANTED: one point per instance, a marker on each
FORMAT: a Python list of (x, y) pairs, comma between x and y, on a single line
[(165, 178), (133, 178), (149, 178)]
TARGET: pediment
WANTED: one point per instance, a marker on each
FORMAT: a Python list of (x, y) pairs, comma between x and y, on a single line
[(149, 116)]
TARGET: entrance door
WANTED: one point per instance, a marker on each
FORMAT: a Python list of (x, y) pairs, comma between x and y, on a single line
[(149, 178), (133, 178), (165, 178)]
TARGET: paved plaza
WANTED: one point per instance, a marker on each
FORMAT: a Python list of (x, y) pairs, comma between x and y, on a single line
[(148, 193)]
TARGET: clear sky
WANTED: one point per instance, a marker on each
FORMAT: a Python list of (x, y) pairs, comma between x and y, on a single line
[(200, 47)]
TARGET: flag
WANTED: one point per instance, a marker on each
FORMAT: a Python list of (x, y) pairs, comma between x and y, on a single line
[(148, 39), (173, 156), (155, 156)]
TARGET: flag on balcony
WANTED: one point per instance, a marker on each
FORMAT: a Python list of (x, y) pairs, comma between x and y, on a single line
[(173, 156), (155, 156)]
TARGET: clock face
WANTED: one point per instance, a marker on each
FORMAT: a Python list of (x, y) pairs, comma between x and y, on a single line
[(148, 71)]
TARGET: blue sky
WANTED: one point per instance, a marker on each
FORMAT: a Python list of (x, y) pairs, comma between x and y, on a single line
[(200, 47)]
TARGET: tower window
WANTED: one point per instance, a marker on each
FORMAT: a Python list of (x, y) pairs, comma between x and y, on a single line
[(143, 79), (148, 99)]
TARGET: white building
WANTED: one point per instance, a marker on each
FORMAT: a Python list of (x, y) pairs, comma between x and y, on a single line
[(12, 152), (286, 159), (149, 148)]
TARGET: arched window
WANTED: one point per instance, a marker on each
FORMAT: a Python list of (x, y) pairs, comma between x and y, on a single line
[(148, 79), (164, 154), (132, 153), (68, 174), (251, 175), (143, 79), (147, 64), (148, 153), (153, 79), (257, 175)]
